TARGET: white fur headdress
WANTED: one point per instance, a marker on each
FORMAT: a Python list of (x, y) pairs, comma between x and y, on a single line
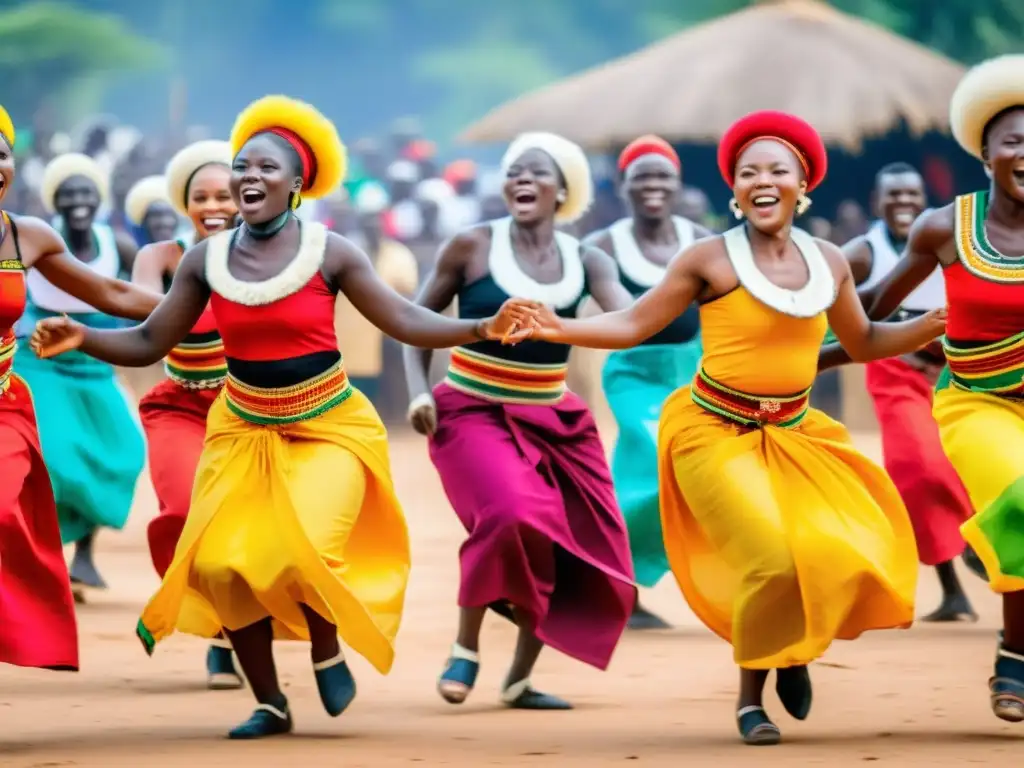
[(62, 168), (571, 161), (984, 92), (183, 166), (144, 192)]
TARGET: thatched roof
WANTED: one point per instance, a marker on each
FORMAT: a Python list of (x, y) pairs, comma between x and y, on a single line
[(848, 77)]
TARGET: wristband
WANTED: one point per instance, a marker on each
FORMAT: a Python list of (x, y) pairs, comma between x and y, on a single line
[(418, 402)]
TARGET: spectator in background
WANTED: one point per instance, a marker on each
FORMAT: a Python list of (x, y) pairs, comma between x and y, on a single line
[(369, 158), (404, 221), (694, 205), (851, 222), (464, 209)]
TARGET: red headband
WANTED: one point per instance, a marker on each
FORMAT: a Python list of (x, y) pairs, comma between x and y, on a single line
[(793, 133), (647, 145), (304, 151)]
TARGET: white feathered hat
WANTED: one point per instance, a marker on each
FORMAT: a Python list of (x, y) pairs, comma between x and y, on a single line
[(183, 166), (144, 193), (62, 168), (986, 90), (571, 161)]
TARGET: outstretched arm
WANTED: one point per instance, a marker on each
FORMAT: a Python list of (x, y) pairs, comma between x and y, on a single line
[(44, 250)]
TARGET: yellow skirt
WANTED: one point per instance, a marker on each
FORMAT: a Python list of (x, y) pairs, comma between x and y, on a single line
[(983, 436), (782, 540), (290, 514)]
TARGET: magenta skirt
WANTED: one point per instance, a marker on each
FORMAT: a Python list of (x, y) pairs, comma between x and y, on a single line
[(530, 483)]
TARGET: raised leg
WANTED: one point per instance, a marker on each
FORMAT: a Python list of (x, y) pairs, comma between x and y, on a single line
[(954, 606), (334, 679), (83, 568), (221, 674)]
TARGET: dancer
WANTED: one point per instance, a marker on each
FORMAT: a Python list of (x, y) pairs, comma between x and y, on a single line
[(149, 211), (518, 454), (37, 615), (92, 441), (174, 412), (294, 531), (783, 537), (902, 388), (979, 242), (637, 381)]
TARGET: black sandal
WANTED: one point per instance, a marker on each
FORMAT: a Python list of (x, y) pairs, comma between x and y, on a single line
[(755, 727)]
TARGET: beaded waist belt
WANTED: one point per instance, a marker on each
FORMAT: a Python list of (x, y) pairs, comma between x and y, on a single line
[(8, 344), (749, 410), (286, 405), (198, 362), (506, 381), (996, 368)]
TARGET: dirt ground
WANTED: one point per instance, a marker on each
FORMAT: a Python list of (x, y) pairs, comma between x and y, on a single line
[(909, 698)]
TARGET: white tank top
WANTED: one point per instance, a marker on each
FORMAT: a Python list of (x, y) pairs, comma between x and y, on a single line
[(631, 260), (45, 295), (929, 295), (509, 276)]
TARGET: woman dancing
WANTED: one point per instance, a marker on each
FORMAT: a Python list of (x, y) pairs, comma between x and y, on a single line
[(91, 437), (518, 454), (174, 412), (979, 242), (149, 211), (294, 531), (782, 537), (637, 381), (37, 615)]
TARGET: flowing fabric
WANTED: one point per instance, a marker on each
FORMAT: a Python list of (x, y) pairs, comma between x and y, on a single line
[(636, 382), (37, 614), (288, 514), (915, 460), (174, 419), (530, 484)]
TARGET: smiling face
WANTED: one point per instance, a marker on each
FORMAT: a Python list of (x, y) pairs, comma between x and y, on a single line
[(652, 185), (532, 185), (1004, 152), (264, 176), (769, 181), (900, 200), (77, 201), (209, 202), (160, 222), (6, 167)]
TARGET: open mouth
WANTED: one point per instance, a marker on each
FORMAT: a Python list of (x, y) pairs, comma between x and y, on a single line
[(525, 197), (653, 199), (765, 202), (80, 212), (1018, 173), (253, 196), (904, 217), (214, 223)]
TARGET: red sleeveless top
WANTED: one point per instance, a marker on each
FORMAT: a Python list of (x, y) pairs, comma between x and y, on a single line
[(13, 295), (984, 289)]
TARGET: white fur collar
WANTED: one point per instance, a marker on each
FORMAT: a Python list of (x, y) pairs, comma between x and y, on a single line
[(631, 259), (510, 277), (291, 279)]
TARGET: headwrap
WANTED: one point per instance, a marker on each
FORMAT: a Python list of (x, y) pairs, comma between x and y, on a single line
[(183, 167), (62, 168), (571, 162), (313, 137), (647, 145), (143, 194), (7, 128), (459, 171), (795, 134), (986, 90)]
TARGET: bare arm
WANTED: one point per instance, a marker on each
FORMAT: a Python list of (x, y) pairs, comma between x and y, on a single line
[(863, 339), (649, 314), (44, 250), (127, 250), (149, 342), (153, 262), (603, 280), (860, 258)]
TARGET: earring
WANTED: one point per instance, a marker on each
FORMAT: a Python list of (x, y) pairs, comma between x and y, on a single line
[(560, 197), (735, 208), (802, 204)]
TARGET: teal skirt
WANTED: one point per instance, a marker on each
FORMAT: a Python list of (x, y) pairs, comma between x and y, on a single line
[(636, 382), (91, 439)]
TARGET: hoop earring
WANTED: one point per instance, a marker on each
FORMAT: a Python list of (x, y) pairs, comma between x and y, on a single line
[(802, 204), (734, 207), (560, 197)]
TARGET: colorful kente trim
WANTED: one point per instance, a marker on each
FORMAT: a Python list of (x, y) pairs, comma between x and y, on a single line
[(198, 362), (996, 368), (146, 637), (285, 405), (8, 345), (976, 253), (749, 410), (506, 381)]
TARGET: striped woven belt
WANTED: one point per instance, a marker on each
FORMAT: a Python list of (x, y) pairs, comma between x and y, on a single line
[(198, 362), (749, 410), (506, 381), (996, 368), (8, 345), (286, 405)]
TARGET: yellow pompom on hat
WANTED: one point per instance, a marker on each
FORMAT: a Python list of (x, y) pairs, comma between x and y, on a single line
[(62, 168), (186, 163), (7, 127), (572, 163), (986, 90), (143, 194), (303, 126)]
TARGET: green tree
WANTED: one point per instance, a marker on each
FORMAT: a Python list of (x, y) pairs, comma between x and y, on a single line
[(53, 51)]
